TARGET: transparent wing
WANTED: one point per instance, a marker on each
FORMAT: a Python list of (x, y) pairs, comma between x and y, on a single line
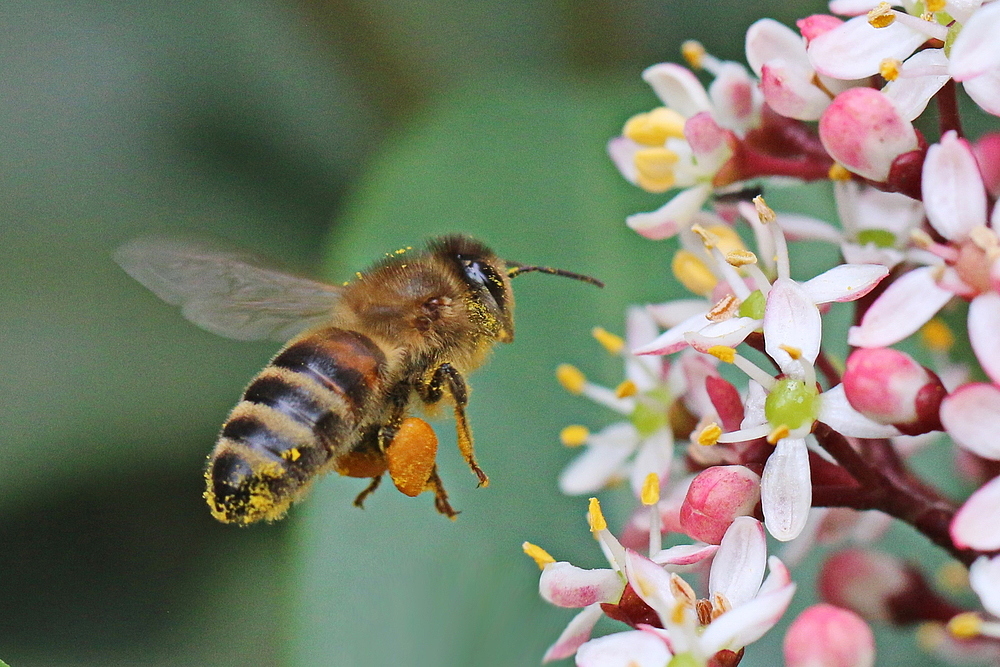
[(225, 292)]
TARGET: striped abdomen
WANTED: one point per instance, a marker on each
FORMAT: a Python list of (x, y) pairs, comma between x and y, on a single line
[(304, 409)]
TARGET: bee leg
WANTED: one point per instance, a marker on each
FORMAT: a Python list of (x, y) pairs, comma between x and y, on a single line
[(359, 502), (446, 374), (441, 503)]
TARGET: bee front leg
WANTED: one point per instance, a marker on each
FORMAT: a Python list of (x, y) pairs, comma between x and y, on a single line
[(359, 502), (447, 375)]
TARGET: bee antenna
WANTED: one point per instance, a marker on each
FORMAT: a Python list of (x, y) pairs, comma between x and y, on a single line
[(514, 269)]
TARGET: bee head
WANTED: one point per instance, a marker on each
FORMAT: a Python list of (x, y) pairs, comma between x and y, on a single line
[(486, 277)]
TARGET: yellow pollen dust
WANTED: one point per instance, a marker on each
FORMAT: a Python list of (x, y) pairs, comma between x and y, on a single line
[(937, 336), (709, 435), (609, 341), (965, 625), (573, 435), (764, 212), (881, 16), (777, 434), (571, 379), (935, 5), (723, 353), (838, 172), (292, 454), (537, 554), (794, 352), (740, 258), (655, 127), (693, 52), (726, 308), (655, 167), (889, 69), (651, 490), (596, 516), (693, 273), (626, 389), (953, 577)]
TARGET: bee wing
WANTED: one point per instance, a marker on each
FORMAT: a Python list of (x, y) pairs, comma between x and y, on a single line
[(225, 292)]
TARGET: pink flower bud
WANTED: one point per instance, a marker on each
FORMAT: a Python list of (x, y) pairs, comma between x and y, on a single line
[(863, 130), (715, 498), (889, 387), (813, 26), (987, 152), (828, 636), (863, 581), (704, 135)]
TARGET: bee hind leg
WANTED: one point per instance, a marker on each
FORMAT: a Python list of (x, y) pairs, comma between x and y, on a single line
[(447, 375), (441, 503)]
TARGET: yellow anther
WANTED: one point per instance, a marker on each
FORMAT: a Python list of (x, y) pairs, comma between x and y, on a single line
[(930, 636), (726, 239), (571, 379), (626, 389), (838, 172), (777, 434), (935, 5), (881, 16), (693, 273), (537, 554), (573, 435), (740, 258), (612, 343), (655, 168), (965, 625), (720, 605), (723, 353), (921, 239), (706, 237), (709, 435), (794, 352), (655, 127), (984, 238), (682, 590), (953, 577), (677, 614), (937, 336), (927, 16), (693, 52), (650, 490), (726, 308), (889, 69), (764, 212), (596, 517)]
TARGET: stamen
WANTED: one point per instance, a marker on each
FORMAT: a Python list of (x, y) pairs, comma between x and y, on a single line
[(921, 238), (612, 343), (777, 434), (693, 52), (724, 309), (709, 435), (682, 590), (739, 258), (953, 577), (794, 352), (596, 517), (935, 5), (937, 336), (764, 212), (626, 389), (723, 353), (755, 372), (720, 605), (965, 625), (984, 238), (881, 15), (706, 238), (655, 127), (651, 489), (691, 272), (538, 554), (571, 379), (574, 435), (839, 172), (889, 69)]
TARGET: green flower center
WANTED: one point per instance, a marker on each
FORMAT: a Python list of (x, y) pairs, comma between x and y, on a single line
[(881, 238), (753, 305), (648, 419), (791, 403)]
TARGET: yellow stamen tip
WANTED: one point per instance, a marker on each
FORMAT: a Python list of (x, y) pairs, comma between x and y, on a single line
[(777, 434), (937, 336), (571, 379), (723, 353), (707, 238), (764, 212), (655, 168), (930, 636), (693, 273), (596, 516), (626, 389), (537, 554), (740, 258), (612, 343), (889, 69), (965, 625), (794, 352), (651, 490), (573, 435), (881, 16), (709, 435), (953, 576), (838, 172), (935, 5), (693, 52), (921, 239), (655, 127)]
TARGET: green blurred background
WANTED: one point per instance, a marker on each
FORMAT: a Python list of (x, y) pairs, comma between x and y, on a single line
[(322, 134)]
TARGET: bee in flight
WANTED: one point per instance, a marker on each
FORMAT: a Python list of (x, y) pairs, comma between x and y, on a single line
[(338, 395)]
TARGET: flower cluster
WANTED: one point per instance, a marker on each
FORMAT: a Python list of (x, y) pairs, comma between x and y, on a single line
[(741, 417)]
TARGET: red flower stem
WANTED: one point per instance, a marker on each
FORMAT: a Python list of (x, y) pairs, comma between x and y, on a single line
[(947, 104)]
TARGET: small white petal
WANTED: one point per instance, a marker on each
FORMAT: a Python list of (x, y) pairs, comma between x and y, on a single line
[(851, 7), (650, 582), (738, 568), (975, 525), (791, 319), (729, 332), (911, 92), (678, 88), (836, 412), (984, 332), (633, 648), (655, 455), (768, 40), (954, 195), (786, 489), (576, 633), (905, 306), (984, 578), (985, 91), (855, 49), (601, 462), (674, 339), (566, 585), (753, 408), (684, 554), (667, 220), (672, 313), (976, 49), (971, 416), (749, 622), (622, 152), (804, 228), (845, 282), (870, 254)]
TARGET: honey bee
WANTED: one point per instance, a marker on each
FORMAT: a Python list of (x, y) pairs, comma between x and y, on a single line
[(362, 355)]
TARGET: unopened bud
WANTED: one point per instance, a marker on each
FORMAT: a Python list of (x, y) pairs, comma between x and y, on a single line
[(827, 636), (889, 387), (715, 498)]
